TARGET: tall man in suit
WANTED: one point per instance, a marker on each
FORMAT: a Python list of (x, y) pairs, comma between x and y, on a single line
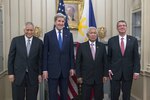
[(58, 58), (24, 64), (124, 62), (91, 66)]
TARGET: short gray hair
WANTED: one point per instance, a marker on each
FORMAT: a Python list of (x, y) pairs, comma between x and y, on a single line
[(90, 28), (29, 23), (58, 15)]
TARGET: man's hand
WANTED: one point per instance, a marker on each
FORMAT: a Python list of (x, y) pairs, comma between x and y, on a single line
[(11, 78), (105, 79), (110, 74), (79, 80), (72, 72), (40, 78), (45, 75), (135, 76)]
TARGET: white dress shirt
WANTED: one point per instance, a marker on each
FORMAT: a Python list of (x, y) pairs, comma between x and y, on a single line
[(57, 33), (94, 44), (26, 40), (124, 40)]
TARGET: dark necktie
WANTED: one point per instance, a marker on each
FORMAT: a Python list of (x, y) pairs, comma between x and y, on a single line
[(28, 46), (122, 46), (92, 50), (60, 39)]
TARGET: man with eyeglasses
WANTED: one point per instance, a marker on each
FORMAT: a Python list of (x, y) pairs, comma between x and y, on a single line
[(124, 62)]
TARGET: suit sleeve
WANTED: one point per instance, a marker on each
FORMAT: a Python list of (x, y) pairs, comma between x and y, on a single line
[(11, 57), (109, 55), (78, 62), (40, 57), (136, 58), (45, 52), (105, 62), (71, 52)]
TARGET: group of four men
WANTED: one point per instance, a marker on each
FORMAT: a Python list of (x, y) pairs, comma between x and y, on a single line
[(30, 61)]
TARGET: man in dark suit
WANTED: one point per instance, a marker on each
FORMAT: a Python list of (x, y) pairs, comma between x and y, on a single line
[(58, 58), (24, 64), (91, 66), (124, 62)]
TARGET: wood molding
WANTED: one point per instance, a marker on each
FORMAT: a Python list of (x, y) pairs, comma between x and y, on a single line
[(3, 73), (135, 97), (145, 73)]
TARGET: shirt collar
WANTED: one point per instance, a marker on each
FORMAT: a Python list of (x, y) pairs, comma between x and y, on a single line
[(58, 30), (28, 38), (125, 36), (92, 43)]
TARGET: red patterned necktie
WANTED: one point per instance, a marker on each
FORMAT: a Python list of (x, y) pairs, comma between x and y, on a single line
[(122, 46)]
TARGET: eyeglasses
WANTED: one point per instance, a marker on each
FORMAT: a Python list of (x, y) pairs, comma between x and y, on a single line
[(122, 25)]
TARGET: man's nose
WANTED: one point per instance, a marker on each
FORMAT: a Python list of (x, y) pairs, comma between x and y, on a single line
[(29, 31)]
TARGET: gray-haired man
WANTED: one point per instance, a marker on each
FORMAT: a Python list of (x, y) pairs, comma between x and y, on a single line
[(58, 59), (91, 64)]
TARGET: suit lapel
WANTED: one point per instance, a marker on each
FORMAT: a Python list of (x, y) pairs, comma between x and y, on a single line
[(54, 38), (118, 45), (97, 50), (64, 38), (127, 44), (23, 46), (32, 46), (88, 49)]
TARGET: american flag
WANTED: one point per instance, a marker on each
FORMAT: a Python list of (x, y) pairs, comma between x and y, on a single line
[(73, 88)]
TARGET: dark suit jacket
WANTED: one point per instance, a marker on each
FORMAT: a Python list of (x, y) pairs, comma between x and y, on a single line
[(18, 60), (123, 65), (87, 68), (58, 61)]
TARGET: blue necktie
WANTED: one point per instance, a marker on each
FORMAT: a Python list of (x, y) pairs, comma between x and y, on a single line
[(60, 39)]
